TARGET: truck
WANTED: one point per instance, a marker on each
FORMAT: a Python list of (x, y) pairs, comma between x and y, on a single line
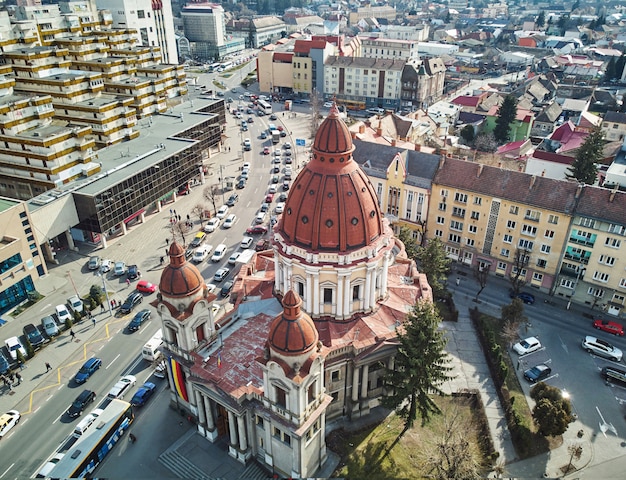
[(275, 136)]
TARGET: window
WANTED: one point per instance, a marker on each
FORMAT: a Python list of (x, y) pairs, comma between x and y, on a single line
[(567, 283), (622, 283), (529, 230), (549, 234), (281, 397), (334, 376), (545, 248), (533, 215), (601, 276), (458, 212), (541, 263), (439, 233), (501, 265), (442, 206), (505, 252), (469, 242), (454, 225), (444, 193), (596, 292), (612, 242), (525, 244), (537, 277), (478, 200), (472, 228), (554, 219), (508, 239), (460, 197), (328, 295), (356, 290), (510, 224), (617, 229), (441, 220), (514, 210), (454, 238), (587, 222), (475, 215), (605, 259)]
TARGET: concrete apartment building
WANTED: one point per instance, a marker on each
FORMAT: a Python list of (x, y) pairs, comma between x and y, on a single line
[(389, 48), (385, 12)]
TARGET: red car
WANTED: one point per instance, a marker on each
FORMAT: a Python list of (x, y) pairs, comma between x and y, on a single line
[(269, 198), (145, 286), (262, 245), (609, 326), (256, 229), (266, 151), (280, 128)]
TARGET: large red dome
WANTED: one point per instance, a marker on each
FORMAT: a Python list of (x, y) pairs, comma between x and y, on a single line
[(293, 332), (332, 205)]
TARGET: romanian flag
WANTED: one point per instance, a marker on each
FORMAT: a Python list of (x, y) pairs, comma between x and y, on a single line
[(178, 376), (219, 359)]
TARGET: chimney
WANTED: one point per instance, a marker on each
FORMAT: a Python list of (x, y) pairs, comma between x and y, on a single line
[(579, 190), (353, 135), (379, 132), (361, 128), (499, 164), (612, 195), (393, 142), (543, 172), (418, 147), (480, 170), (533, 179)]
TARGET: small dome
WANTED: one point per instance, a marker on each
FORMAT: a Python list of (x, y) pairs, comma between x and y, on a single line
[(293, 332), (180, 278), (332, 205)]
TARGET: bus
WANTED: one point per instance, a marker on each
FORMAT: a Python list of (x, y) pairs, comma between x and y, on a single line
[(85, 454), (264, 107), (213, 67), (226, 65)]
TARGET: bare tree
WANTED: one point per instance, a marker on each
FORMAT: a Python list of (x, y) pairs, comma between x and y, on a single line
[(481, 273), (211, 195), (198, 211), (179, 229), (520, 262), (575, 451)]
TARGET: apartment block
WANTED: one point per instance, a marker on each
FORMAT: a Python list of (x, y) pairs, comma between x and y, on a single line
[(510, 222), (614, 126), (593, 268), (389, 48)]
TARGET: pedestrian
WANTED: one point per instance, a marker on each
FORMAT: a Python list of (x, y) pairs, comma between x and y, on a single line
[(101, 307), (188, 217), (112, 302), (167, 252), (458, 281), (93, 320), (12, 377), (162, 260), (128, 282), (72, 334), (89, 314), (171, 213), (21, 365), (167, 241), (174, 212), (48, 367), (19, 378), (179, 218)]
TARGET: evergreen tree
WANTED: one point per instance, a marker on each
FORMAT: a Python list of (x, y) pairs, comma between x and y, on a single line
[(584, 168), (434, 262), (420, 367), (406, 237), (506, 116), (619, 66), (467, 134), (541, 19), (610, 70)]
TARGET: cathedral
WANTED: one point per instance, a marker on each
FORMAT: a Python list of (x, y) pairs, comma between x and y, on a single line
[(313, 325)]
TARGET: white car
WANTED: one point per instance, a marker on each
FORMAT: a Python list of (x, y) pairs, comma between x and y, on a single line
[(219, 252), (245, 166), (119, 269), (122, 387), (201, 253), (328, 104), (273, 188), (230, 221), (63, 313), (212, 225), (280, 207), (222, 212), (246, 242), (601, 348), (105, 265), (14, 345), (526, 346), (8, 421), (210, 287), (233, 258)]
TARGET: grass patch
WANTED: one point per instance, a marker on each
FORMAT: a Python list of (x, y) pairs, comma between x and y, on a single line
[(376, 452)]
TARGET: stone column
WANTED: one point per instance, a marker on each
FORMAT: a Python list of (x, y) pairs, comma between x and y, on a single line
[(277, 279), (200, 405), (243, 440), (210, 421), (309, 292), (142, 217), (383, 283), (232, 428), (373, 288), (159, 206), (123, 226), (347, 296), (355, 384), (316, 295), (364, 381), (103, 240), (339, 299), (368, 286), (70, 241)]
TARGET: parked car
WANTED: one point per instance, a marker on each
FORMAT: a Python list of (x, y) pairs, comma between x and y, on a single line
[(78, 405), (119, 269), (105, 265), (256, 229), (145, 286), (50, 326), (219, 252), (601, 348), (14, 345), (525, 297), (273, 117), (246, 242), (76, 304), (263, 136), (232, 200), (63, 313), (233, 258), (133, 272), (280, 207), (94, 263), (221, 274), (260, 217), (143, 394), (226, 288), (201, 253), (4, 364), (8, 421), (131, 302), (287, 146), (212, 225), (526, 346), (222, 212), (262, 245), (286, 185), (537, 373), (240, 184), (139, 318), (328, 104), (230, 221), (282, 197), (87, 370), (283, 133), (269, 198), (266, 150), (609, 326), (32, 334)]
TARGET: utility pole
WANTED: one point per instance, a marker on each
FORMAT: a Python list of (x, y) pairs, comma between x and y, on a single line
[(106, 294)]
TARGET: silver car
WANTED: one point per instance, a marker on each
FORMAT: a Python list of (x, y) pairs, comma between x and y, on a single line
[(601, 348)]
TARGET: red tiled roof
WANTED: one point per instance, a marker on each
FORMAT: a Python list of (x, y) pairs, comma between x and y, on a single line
[(553, 157), (467, 101), (511, 146), (602, 203)]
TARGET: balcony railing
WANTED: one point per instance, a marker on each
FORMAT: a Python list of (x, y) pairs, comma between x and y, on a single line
[(582, 241)]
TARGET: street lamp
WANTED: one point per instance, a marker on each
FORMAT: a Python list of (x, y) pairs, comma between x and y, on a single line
[(581, 271)]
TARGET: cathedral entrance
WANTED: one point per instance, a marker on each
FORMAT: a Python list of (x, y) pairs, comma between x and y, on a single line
[(222, 421)]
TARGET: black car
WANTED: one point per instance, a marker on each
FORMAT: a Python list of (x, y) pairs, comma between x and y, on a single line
[(226, 288), (265, 207), (84, 399), (232, 200), (283, 133), (240, 184), (131, 302), (138, 319), (189, 253), (537, 373), (276, 169), (133, 272), (32, 333), (282, 197), (527, 298)]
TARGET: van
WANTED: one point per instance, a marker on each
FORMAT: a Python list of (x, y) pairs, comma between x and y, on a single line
[(83, 425), (613, 374), (150, 350), (49, 465)]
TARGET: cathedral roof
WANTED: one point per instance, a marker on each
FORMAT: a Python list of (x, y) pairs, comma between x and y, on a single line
[(332, 205), (180, 278), (293, 332)]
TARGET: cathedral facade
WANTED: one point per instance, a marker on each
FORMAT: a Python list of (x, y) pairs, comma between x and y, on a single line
[(314, 322)]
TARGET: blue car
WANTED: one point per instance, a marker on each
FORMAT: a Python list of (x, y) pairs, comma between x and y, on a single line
[(527, 298), (143, 394), (87, 370), (138, 320)]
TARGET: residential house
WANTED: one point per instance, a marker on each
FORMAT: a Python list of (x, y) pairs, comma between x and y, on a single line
[(506, 221), (545, 121), (519, 128), (614, 126), (422, 84)]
